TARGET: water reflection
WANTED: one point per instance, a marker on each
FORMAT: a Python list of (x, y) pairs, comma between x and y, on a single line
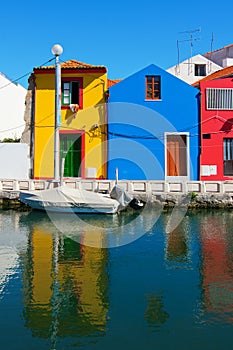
[(66, 280), (8, 266), (178, 243), (155, 314), (217, 267), (116, 230), (65, 284), (64, 294), (11, 241), (177, 246)]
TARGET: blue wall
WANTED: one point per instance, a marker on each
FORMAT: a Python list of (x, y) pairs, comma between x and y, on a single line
[(136, 127)]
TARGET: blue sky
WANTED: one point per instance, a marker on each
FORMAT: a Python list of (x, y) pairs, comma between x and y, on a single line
[(124, 36)]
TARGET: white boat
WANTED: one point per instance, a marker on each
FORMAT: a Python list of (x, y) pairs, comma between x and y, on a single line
[(67, 200)]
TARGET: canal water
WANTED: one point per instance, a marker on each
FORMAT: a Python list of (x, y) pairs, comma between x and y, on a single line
[(149, 288)]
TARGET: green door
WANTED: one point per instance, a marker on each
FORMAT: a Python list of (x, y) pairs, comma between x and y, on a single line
[(70, 149)]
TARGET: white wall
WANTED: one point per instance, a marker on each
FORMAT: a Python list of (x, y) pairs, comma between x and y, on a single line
[(223, 57), (186, 69), (14, 161), (12, 105), (227, 62)]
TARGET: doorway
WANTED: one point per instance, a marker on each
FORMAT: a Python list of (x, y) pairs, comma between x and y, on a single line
[(176, 155), (71, 151)]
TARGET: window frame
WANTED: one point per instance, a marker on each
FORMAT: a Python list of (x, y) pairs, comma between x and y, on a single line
[(219, 99), (198, 69), (155, 81), (227, 156), (185, 135), (71, 80)]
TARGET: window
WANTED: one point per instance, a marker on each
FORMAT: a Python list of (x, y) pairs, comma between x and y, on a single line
[(200, 70), (70, 92), (153, 87), (228, 156), (219, 99), (206, 136)]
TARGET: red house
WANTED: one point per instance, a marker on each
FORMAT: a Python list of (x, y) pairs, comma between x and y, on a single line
[(216, 125)]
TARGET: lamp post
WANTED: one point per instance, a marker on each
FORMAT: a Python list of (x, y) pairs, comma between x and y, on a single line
[(57, 51)]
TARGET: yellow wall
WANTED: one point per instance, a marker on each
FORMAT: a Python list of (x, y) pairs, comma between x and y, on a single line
[(93, 112)]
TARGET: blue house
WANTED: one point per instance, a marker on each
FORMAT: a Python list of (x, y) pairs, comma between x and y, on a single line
[(153, 127)]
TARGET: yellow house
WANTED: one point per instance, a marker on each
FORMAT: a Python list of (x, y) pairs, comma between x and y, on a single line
[(82, 133)]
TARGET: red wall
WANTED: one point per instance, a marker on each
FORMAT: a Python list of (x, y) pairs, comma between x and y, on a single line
[(215, 123)]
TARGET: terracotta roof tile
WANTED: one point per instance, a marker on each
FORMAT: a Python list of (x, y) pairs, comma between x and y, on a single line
[(224, 47), (112, 82), (222, 73), (72, 64)]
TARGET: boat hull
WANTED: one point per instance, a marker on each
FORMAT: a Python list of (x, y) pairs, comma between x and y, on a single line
[(39, 202), (79, 209)]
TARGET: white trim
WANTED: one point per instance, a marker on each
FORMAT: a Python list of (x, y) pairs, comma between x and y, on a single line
[(153, 100), (219, 99)]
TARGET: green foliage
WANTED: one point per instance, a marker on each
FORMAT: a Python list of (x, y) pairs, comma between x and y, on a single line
[(10, 140), (193, 195)]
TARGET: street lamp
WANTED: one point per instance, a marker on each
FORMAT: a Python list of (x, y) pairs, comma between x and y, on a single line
[(57, 51)]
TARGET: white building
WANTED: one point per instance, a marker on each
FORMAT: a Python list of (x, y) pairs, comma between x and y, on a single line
[(194, 69), (12, 105), (14, 160), (223, 57)]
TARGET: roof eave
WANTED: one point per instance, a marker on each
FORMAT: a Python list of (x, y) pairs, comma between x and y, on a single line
[(75, 70)]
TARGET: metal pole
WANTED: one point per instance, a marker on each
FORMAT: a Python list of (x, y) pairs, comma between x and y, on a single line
[(116, 172), (62, 170), (57, 118)]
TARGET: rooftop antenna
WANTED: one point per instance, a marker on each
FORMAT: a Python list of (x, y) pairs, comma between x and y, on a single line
[(191, 40), (212, 42), (178, 58), (211, 50)]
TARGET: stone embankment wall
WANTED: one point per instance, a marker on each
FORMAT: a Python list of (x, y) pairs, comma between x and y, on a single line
[(190, 200), (10, 200), (196, 194)]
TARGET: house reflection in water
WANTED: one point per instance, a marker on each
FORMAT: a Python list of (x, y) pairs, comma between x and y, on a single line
[(217, 268), (177, 243), (155, 314), (177, 247), (65, 285)]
